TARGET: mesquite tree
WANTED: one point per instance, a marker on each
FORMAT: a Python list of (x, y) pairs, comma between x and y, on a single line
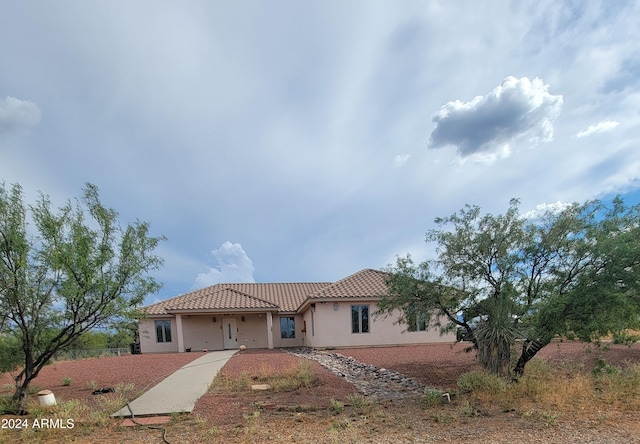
[(66, 271), (508, 284)]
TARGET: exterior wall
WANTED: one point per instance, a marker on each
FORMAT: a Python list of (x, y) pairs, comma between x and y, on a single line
[(332, 328), (279, 341), (253, 331), (201, 333), (148, 343)]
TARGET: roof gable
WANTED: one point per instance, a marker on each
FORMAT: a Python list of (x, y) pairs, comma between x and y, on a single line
[(365, 283), (221, 299)]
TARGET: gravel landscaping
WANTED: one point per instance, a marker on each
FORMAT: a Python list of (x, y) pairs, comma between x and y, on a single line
[(137, 372), (306, 415)]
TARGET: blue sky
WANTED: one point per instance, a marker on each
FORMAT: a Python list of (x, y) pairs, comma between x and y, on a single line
[(304, 141)]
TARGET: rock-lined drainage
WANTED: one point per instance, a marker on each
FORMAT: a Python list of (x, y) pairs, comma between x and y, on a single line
[(367, 379)]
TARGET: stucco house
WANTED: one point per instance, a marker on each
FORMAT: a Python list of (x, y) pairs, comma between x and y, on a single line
[(268, 315)]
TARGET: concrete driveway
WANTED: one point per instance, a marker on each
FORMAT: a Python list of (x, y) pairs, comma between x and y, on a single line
[(180, 390)]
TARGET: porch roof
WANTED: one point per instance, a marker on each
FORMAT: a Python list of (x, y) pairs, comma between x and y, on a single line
[(224, 298)]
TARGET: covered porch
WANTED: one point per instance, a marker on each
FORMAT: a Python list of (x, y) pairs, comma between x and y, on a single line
[(224, 330), (221, 330)]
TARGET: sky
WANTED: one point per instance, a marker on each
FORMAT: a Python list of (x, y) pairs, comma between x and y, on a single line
[(288, 141)]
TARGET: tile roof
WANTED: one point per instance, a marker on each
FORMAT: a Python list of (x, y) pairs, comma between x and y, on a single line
[(365, 283), (221, 298), (282, 297), (270, 296)]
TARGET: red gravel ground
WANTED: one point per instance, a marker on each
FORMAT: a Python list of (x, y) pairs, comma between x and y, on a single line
[(304, 415), (441, 365), (143, 371), (226, 408)]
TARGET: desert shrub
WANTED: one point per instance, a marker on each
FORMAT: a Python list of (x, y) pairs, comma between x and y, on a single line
[(431, 397), (476, 381), (336, 406), (7, 406), (617, 384), (602, 367), (358, 401)]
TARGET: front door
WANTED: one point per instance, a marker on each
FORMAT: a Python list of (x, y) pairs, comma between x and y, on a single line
[(230, 333)]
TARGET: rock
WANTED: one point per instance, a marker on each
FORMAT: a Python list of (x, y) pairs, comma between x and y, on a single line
[(367, 379)]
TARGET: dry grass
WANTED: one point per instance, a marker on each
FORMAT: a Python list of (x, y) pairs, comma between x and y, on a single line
[(558, 388), (555, 402), (286, 379)]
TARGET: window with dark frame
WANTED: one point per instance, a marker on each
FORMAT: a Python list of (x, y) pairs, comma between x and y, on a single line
[(287, 327), (416, 319), (359, 319), (163, 331)]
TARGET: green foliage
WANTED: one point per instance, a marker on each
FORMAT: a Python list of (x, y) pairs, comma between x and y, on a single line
[(75, 269), (359, 402), (66, 381), (91, 340), (481, 381), (602, 367), (502, 279), (11, 354), (431, 397), (336, 406)]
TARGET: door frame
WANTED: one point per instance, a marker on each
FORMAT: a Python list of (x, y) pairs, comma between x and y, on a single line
[(229, 333)]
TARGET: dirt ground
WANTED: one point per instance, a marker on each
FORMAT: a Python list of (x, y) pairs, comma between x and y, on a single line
[(306, 414)]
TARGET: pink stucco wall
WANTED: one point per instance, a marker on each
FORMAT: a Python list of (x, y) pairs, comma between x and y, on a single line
[(328, 326), (201, 333), (148, 343), (332, 328)]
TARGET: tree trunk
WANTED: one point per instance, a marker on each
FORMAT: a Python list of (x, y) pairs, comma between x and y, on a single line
[(20, 396), (529, 349)]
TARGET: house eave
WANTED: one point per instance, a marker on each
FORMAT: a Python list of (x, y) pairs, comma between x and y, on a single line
[(332, 299), (220, 311)]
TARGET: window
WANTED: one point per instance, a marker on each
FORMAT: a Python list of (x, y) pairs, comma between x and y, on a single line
[(359, 319), (287, 327), (163, 331), (416, 320)]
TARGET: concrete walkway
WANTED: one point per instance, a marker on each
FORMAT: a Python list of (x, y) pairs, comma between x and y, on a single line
[(180, 391)]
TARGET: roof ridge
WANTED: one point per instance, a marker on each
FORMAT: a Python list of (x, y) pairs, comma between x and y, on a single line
[(251, 296), (340, 281), (222, 288)]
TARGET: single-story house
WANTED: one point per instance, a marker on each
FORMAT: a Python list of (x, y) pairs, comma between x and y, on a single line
[(268, 315)]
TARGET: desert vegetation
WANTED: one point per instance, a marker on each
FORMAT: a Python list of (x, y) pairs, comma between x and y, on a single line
[(569, 397)]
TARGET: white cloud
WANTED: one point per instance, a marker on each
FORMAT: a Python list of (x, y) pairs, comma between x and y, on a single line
[(519, 112), (16, 114), (544, 208), (233, 266), (604, 125), (401, 159)]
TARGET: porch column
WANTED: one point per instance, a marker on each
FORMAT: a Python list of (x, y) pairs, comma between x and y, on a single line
[(269, 330), (180, 335)]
